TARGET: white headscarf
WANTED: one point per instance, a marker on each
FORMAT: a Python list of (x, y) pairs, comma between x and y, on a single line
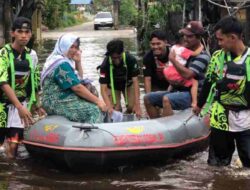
[(59, 54)]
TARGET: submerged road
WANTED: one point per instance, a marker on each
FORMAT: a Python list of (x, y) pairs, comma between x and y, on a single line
[(191, 173), (86, 30)]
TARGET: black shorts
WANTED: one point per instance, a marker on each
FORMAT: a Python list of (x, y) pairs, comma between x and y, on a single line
[(14, 135)]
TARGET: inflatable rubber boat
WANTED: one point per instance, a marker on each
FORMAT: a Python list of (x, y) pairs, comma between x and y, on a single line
[(77, 145)]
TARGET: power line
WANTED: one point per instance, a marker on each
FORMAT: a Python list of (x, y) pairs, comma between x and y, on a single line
[(241, 6)]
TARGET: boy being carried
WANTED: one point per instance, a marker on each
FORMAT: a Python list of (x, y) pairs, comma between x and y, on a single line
[(182, 54)]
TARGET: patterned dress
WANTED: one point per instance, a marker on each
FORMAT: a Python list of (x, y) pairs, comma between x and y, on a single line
[(59, 99)]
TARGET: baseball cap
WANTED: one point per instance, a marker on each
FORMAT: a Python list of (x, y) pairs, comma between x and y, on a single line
[(21, 23), (193, 28)]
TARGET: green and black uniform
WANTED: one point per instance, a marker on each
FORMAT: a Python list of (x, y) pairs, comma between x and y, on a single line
[(18, 71), (119, 77), (227, 87)]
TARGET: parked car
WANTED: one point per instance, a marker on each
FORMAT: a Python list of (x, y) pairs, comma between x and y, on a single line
[(103, 19)]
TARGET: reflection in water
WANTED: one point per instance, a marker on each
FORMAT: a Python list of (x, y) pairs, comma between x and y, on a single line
[(191, 173)]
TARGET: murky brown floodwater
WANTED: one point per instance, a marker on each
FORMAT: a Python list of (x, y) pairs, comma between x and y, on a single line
[(190, 173)]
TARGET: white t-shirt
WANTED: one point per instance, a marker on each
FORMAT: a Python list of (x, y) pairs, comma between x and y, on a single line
[(181, 54), (239, 121)]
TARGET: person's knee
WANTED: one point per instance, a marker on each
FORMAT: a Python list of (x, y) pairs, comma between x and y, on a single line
[(165, 101), (146, 100)]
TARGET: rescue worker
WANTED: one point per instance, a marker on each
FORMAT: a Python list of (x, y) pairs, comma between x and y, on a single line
[(19, 79), (227, 86), (119, 74)]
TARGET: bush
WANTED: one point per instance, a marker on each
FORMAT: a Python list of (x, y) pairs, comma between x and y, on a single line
[(128, 13), (57, 14)]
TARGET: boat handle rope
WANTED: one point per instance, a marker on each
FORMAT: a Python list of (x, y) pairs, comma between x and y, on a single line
[(86, 127), (186, 121)]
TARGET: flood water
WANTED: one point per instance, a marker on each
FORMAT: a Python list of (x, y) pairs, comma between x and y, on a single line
[(189, 173)]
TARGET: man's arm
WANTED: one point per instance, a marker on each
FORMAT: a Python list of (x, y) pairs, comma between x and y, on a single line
[(202, 96), (147, 84), (24, 113), (11, 95), (37, 107), (105, 96), (137, 108)]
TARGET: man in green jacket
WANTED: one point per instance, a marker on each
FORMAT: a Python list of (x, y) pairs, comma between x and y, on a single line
[(227, 86), (19, 79)]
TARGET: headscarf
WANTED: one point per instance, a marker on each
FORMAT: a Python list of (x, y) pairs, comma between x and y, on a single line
[(59, 55)]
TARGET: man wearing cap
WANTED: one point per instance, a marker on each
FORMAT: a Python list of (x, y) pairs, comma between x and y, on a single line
[(179, 97), (119, 74), (19, 79)]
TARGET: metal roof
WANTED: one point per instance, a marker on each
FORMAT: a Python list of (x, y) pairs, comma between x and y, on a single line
[(80, 2)]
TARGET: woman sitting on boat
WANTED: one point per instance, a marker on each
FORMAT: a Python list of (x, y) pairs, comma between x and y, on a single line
[(63, 93)]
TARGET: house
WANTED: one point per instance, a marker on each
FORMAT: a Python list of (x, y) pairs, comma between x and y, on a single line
[(81, 4)]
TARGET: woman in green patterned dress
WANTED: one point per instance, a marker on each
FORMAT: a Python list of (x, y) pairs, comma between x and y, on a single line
[(63, 94)]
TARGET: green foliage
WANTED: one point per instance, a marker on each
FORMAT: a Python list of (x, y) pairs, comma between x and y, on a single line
[(156, 15), (103, 5), (57, 14), (70, 19), (157, 18), (128, 12), (174, 5)]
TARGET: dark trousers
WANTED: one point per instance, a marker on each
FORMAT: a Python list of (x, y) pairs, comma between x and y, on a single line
[(222, 146), (2, 135)]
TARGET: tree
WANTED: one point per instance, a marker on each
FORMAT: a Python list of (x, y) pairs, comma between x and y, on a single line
[(103, 5), (54, 12), (128, 12)]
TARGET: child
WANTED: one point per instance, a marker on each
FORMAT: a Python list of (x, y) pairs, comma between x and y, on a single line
[(171, 74)]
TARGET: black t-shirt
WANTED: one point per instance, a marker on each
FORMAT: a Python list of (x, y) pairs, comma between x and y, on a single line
[(151, 69), (121, 74)]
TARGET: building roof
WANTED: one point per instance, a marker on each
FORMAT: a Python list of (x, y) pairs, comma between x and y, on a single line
[(80, 2)]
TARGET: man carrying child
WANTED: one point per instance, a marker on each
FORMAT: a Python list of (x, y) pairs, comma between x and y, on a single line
[(178, 96)]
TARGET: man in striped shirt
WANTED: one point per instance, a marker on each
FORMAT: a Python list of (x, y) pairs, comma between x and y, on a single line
[(179, 98)]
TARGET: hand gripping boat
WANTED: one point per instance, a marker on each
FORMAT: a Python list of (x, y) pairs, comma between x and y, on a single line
[(78, 145)]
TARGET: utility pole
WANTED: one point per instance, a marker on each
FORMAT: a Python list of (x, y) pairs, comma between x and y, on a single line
[(116, 5), (2, 41), (37, 22), (7, 20)]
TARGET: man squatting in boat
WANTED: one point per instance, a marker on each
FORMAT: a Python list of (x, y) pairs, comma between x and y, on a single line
[(119, 75)]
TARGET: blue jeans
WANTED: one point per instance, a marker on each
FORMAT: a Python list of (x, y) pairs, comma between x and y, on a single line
[(178, 100)]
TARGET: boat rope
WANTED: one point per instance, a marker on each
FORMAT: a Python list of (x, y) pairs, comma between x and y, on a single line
[(86, 127), (186, 121), (107, 132)]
